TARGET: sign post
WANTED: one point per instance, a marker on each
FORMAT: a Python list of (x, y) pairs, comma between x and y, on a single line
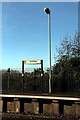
[(31, 62)]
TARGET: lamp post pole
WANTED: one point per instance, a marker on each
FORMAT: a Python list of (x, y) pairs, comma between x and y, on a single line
[(47, 10)]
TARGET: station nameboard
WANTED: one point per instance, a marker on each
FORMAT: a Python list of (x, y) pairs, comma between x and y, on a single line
[(32, 61)]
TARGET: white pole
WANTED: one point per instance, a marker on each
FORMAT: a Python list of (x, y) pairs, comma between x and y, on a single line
[(49, 45)]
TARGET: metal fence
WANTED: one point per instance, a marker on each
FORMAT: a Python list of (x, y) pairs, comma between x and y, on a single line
[(15, 82)]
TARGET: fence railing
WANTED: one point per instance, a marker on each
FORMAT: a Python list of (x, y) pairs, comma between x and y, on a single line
[(40, 85)]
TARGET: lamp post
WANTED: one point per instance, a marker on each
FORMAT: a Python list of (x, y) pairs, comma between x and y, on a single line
[(47, 10)]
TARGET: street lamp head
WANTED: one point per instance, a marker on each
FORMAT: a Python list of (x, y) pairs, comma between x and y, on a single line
[(47, 10)]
